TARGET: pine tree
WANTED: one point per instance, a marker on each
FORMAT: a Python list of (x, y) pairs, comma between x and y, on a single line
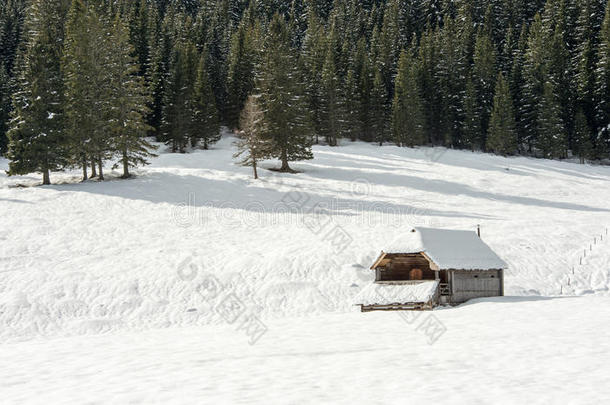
[(314, 52), (583, 147), (602, 86), (332, 105), (379, 109), (534, 74), (584, 59), (362, 71), (352, 125), (130, 97), (502, 137), (82, 81), (160, 51), (178, 124), (36, 138), (5, 107), (471, 130), (205, 114), (484, 75), (252, 146), (558, 67), (281, 88), (389, 46), (428, 64), (139, 26), (12, 17), (552, 136), (242, 60), (217, 43), (450, 74), (516, 85), (407, 109)]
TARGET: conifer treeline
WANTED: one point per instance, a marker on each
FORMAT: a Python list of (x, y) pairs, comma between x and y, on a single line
[(528, 77)]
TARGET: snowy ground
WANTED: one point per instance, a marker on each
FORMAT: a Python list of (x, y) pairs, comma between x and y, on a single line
[(509, 351), (150, 289)]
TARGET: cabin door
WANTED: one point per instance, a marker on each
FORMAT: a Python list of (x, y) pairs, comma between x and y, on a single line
[(416, 274)]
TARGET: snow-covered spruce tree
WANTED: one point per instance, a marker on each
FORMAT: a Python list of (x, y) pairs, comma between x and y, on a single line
[(37, 141), (583, 147), (313, 54), (130, 98), (534, 74), (332, 103), (205, 115), (584, 59), (450, 74), (379, 117), (280, 85), (157, 73), (5, 107), (502, 138), (138, 21), (516, 84), (552, 137), (407, 110), (472, 135), (484, 76), (428, 57), (85, 70), (352, 124), (602, 87), (12, 17), (217, 43), (242, 60), (177, 125), (252, 146)]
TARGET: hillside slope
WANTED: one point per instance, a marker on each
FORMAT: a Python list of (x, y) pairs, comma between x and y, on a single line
[(93, 257)]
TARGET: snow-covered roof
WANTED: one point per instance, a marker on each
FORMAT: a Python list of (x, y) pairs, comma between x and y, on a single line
[(386, 294), (448, 249)]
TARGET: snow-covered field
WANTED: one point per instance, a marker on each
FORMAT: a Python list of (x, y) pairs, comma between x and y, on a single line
[(194, 282)]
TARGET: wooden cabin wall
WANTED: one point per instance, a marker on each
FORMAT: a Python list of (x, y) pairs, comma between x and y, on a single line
[(468, 284), (399, 268)]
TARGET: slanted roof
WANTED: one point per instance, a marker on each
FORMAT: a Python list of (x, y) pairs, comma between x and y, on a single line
[(384, 294), (446, 249)]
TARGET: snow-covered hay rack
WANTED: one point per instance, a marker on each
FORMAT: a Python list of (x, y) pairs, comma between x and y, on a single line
[(427, 267)]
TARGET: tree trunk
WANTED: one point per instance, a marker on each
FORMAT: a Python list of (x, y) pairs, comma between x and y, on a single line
[(93, 169), (254, 169), (46, 178), (205, 144), (101, 170), (125, 165), (85, 168), (285, 167)]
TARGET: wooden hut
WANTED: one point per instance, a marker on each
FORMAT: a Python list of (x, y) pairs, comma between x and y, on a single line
[(426, 267)]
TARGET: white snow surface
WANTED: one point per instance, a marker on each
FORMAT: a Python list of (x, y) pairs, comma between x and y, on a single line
[(448, 249), (382, 294), (121, 291), (511, 350)]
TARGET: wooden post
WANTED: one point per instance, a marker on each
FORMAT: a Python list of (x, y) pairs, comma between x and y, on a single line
[(479, 230)]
